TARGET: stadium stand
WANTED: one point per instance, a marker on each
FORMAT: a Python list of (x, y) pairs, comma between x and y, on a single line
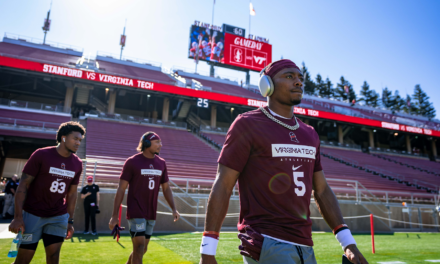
[(400, 174), (30, 123), (386, 115), (415, 163), (132, 69), (221, 86), (217, 138), (186, 155), (21, 48)]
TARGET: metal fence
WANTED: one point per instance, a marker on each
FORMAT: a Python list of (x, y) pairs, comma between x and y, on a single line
[(33, 105)]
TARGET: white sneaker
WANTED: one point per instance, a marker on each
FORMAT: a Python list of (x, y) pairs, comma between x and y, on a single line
[(86, 232)]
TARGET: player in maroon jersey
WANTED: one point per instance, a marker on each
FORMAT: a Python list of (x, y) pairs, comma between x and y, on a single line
[(143, 173), (276, 160), (46, 196)]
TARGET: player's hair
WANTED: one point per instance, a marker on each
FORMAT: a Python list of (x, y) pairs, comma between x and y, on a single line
[(69, 127), (140, 146)]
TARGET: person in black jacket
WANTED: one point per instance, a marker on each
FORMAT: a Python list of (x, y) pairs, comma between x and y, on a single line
[(10, 189), (90, 194)]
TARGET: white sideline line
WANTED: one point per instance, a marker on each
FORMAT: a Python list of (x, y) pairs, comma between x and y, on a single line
[(392, 262), (435, 260), (6, 234)]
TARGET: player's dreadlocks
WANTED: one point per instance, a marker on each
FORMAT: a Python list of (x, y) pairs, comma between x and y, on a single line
[(69, 127)]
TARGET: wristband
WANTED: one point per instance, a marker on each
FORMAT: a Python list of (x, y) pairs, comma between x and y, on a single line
[(336, 229), (209, 245), (345, 238), (212, 234)]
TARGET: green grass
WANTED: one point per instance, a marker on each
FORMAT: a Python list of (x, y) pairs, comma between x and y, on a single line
[(184, 248)]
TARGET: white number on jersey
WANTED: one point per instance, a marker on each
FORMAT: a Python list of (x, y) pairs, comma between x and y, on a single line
[(298, 183), (151, 184), (57, 186)]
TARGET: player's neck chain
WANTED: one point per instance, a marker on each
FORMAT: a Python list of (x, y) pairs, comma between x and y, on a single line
[(295, 127)]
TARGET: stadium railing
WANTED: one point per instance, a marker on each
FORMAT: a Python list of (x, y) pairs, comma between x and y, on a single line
[(33, 105), (106, 172), (214, 129), (129, 59), (133, 119), (40, 42), (28, 124)]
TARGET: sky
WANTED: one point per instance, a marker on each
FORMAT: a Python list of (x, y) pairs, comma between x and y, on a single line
[(392, 43)]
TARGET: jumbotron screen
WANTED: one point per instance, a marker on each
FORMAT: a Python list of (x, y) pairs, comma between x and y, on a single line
[(216, 46)]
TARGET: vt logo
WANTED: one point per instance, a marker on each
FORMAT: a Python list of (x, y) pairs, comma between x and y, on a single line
[(259, 60), (293, 137)]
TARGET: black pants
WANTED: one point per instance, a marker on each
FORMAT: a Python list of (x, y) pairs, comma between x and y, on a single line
[(90, 213)]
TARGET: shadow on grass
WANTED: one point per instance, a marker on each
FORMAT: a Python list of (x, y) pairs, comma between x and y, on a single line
[(121, 245), (84, 238)]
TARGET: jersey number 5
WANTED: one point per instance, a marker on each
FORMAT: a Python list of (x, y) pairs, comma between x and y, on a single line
[(59, 187), (298, 183)]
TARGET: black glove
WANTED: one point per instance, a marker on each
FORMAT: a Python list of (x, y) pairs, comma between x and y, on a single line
[(251, 243), (97, 210)]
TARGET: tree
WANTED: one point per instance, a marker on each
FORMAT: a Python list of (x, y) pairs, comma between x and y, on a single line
[(397, 102), (374, 99), (370, 97), (327, 90), (308, 82), (422, 104), (341, 92), (365, 93), (319, 84), (387, 98), (409, 107)]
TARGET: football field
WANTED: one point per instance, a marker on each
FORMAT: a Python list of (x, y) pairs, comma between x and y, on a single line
[(184, 248)]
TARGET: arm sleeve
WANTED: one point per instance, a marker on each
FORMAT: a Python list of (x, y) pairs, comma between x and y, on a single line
[(127, 171), (237, 147), (164, 177), (318, 166), (32, 166), (97, 188)]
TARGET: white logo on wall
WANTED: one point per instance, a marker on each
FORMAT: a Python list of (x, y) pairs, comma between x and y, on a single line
[(140, 226), (259, 60), (290, 150), (26, 237), (61, 172), (238, 55), (151, 172)]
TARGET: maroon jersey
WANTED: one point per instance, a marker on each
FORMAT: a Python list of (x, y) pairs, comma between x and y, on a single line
[(276, 168), (144, 177), (54, 174)]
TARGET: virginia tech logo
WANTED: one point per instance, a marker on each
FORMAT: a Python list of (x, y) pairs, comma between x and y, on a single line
[(293, 137), (259, 60), (151, 166), (63, 166)]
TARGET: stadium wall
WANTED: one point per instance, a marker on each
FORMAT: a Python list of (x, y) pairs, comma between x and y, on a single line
[(164, 223)]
